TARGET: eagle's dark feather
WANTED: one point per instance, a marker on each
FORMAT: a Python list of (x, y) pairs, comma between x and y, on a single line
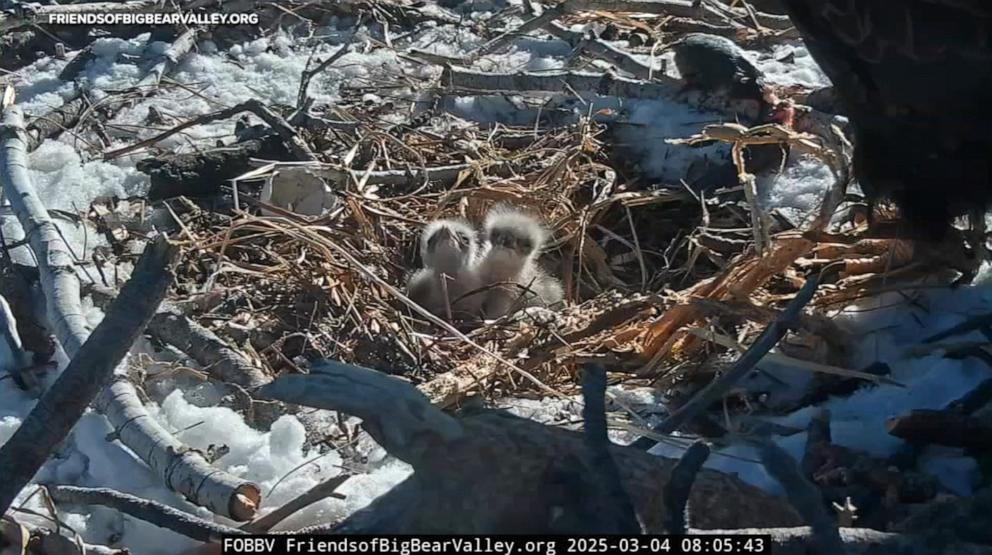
[(915, 78)]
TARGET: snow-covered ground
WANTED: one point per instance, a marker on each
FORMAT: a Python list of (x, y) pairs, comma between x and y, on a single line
[(269, 70)]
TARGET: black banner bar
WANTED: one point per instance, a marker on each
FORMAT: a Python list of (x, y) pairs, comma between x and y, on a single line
[(725, 544)]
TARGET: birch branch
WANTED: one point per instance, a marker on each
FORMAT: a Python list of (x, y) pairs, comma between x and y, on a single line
[(181, 469), (53, 417), (170, 326), (167, 61), (317, 493)]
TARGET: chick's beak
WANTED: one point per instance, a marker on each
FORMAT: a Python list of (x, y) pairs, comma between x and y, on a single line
[(447, 237)]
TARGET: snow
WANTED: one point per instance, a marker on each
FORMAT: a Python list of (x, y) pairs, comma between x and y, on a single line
[(278, 460), (789, 64), (858, 420)]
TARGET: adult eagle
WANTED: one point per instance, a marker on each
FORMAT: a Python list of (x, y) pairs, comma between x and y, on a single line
[(915, 78)]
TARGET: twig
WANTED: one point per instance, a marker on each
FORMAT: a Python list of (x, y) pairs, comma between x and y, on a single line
[(309, 74), (680, 485), (765, 342), (605, 84), (51, 420), (791, 362), (804, 497), (276, 122), (152, 512), (321, 491)]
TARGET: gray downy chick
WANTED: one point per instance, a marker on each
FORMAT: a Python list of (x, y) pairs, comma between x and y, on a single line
[(508, 268), (449, 249)]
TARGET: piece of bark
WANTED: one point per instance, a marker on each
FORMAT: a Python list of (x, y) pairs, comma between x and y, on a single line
[(180, 468), (942, 427), (203, 173), (486, 471)]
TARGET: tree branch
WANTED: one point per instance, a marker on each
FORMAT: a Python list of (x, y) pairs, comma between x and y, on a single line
[(53, 417), (182, 470)]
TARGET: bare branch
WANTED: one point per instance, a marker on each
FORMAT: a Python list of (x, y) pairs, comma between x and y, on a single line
[(151, 512)]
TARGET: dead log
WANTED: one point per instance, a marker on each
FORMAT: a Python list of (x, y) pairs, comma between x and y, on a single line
[(180, 468), (55, 122), (486, 471), (203, 173), (51, 420)]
